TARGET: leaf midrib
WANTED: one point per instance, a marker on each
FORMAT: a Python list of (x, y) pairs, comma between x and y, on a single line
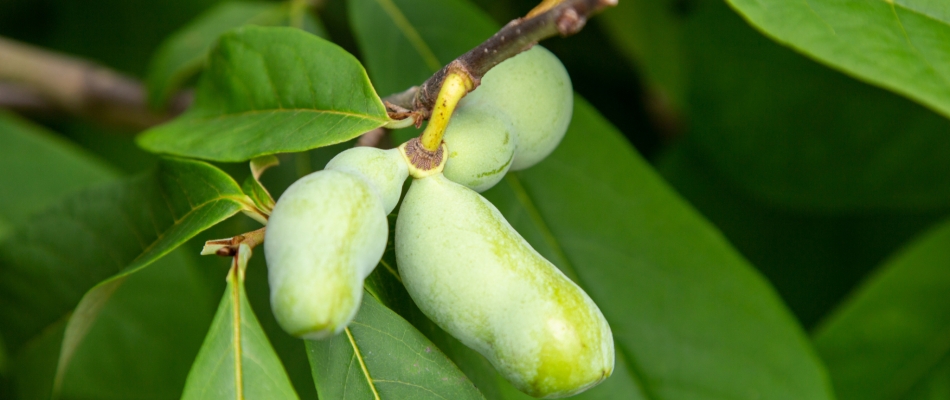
[(286, 110)]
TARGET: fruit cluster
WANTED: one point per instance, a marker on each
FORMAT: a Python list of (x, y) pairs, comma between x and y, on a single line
[(461, 262)]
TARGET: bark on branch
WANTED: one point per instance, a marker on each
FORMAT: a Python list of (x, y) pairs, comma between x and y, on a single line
[(551, 18)]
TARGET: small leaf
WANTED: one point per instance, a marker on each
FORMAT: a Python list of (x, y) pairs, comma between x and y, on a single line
[(236, 360), (271, 90), (253, 187), (890, 340), (74, 253), (382, 356), (183, 54), (899, 45)]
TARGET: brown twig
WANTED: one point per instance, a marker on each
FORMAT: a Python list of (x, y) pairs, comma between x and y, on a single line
[(229, 247), (564, 18), (41, 80)]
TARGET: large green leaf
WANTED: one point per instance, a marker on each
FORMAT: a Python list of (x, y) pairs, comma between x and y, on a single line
[(271, 90), (61, 267), (382, 356), (236, 359), (899, 45), (813, 260), (788, 130), (891, 339), (183, 54), (39, 168), (142, 342), (691, 318)]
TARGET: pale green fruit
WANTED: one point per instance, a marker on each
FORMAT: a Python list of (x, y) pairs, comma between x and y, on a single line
[(534, 91), (481, 145), (469, 271), (385, 170), (326, 234)]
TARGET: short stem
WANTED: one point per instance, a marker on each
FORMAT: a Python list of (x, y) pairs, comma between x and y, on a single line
[(229, 247), (456, 85)]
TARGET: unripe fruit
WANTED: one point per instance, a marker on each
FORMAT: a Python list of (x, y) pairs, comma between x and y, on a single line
[(481, 145), (326, 234), (534, 90), (385, 170), (469, 271)]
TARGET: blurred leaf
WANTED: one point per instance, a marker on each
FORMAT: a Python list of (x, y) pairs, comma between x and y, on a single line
[(39, 168), (382, 356), (650, 35), (142, 342), (813, 260), (397, 45), (271, 90), (691, 317), (899, 45), (799, 135), (890, 339), (76, 253), (236, 360), (183, 54)]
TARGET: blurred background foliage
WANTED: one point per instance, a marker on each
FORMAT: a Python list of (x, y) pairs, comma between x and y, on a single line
[(814, 176)]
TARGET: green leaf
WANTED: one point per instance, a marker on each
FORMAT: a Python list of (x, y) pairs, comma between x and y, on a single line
[(236, 359), (650, 35), (813, 260), (898, 45), (397, 44), (40, 168), (889, 340), (762, 115), (75, 254), (271, 90), (691, 318), (144, 336), (183, 54), (382, 356)]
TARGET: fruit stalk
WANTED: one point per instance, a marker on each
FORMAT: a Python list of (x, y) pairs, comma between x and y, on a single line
[(455, 86), (566, 18)]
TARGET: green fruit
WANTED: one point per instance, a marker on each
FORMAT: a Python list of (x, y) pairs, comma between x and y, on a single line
[(534, 91), (481, 146), (469, 271), (326, 234), (385, 170)]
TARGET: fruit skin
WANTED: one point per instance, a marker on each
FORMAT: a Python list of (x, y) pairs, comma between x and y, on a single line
[(385, 170), (481, 145), (326, 234), (534, 91), (469, 271)]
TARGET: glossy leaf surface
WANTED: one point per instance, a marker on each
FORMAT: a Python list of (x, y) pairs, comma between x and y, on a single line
[(889, 340), (184, 53), (236, 360), (382, 356), (899, 45), (78, 251), (690, 316), (271, 90)]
